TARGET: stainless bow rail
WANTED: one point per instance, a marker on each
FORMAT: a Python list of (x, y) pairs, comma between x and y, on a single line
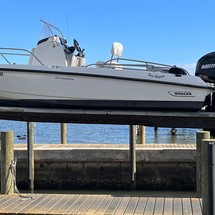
[(17, 52)]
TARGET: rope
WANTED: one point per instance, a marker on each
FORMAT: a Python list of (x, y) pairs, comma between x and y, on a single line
[(13, 171)]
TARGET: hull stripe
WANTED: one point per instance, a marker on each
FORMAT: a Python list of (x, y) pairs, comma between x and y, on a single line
[(105, 104)]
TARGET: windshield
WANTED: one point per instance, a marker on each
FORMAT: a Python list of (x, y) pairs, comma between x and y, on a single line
[(49, 30)]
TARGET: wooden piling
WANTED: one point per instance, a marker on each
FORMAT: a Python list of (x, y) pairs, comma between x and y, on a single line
[(200, 135), (206, 177), (30, 147), (132, 150), (7, 157), (141, 136), (63, 133)]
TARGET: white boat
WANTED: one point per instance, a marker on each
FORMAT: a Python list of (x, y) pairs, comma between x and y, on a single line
[(57, 77)]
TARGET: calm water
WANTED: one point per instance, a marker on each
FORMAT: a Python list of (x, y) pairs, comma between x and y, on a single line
[(87, 133)]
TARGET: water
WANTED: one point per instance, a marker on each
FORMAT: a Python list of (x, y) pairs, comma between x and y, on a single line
[(91, 133)]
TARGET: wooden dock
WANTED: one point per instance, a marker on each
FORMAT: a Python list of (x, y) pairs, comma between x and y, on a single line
[(100, 203)]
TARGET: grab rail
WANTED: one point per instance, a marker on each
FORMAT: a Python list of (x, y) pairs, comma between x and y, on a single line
[(18, 54), (146, 64), (134, 65)]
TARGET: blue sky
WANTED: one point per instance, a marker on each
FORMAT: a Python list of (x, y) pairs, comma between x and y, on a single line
[(167, 31)]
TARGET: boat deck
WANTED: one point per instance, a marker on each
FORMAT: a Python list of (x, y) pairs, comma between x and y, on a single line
[(113, 203)]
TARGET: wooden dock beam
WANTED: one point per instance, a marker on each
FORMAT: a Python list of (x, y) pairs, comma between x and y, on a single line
[(7, 157)]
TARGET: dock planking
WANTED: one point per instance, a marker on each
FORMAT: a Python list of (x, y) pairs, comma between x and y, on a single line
[(20, 146), (129, 203)]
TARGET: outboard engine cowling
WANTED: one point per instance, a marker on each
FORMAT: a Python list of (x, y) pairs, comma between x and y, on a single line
[(205, 67)]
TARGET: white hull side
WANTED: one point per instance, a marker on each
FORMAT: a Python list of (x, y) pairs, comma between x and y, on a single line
[(27, 85)]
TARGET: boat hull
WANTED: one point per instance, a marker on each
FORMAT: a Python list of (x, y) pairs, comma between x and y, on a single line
[(84, 88), (104, 104)]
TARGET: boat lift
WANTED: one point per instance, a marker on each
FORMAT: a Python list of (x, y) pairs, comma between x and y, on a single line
[(172, 119)]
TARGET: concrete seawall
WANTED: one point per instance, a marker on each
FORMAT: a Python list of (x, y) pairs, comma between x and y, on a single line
[(106, 166)]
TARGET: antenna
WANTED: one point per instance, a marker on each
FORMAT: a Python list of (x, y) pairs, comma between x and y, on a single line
[(67, 23)]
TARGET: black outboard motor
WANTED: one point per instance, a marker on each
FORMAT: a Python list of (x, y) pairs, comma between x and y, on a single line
[(205, 69)]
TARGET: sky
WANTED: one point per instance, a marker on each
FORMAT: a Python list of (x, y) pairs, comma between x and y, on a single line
[(168, 31)]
